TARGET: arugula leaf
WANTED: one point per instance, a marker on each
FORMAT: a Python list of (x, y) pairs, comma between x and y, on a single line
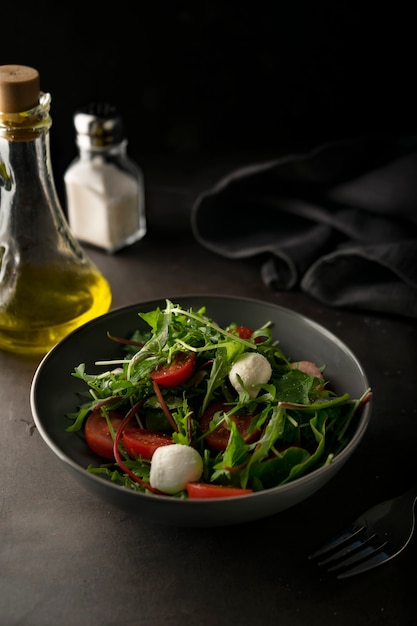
[(219, 370), (234, 455), (277, 470), (295, 386)]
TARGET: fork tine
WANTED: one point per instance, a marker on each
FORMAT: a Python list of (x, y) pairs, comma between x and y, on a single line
[(338, 543), (347, 553), (381, 556), (358, 556)]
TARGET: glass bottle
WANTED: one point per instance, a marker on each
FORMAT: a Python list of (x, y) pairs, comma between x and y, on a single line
[(104, 187), (48, 287)]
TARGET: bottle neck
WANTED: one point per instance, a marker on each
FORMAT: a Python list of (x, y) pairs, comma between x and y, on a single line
[(29, 202), (27, 125), (25, 164)]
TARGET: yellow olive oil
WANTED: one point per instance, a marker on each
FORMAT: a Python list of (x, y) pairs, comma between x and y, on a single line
[(49, 302)]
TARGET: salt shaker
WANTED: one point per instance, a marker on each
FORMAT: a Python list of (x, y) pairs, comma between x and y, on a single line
[(48, 285), (104, 186)]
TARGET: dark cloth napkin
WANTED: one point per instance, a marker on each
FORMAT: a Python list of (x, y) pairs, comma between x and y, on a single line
[(339, 223)]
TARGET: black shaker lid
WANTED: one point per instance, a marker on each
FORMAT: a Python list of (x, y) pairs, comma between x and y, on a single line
[(98, 124)]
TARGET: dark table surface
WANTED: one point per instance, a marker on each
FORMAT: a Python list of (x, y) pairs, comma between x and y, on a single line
[(68, 558)]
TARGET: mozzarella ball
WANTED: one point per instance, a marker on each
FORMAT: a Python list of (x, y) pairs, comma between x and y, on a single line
[(173, 466), (253, 368)]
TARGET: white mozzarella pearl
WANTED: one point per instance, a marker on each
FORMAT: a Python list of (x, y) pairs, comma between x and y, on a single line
[(173, 466), (253, 368)]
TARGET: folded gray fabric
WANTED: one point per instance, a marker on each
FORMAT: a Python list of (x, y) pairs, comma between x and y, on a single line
[(339, 223)]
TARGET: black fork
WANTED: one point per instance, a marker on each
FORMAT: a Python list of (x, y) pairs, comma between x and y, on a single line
[(375, 537)]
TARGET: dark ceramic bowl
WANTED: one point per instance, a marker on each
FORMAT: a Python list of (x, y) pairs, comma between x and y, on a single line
[(54, 394)]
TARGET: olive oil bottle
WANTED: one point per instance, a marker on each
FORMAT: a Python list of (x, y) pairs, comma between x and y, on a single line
[(48, 286)]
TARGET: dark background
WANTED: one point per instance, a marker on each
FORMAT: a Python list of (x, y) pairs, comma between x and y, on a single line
[(209, 78)]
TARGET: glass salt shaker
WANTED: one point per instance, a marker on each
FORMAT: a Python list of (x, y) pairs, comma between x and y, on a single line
[(48, 286), (104, 187)]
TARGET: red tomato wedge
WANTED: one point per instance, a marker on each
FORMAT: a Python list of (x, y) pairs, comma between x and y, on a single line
[(219, 438), (177, 372), (97, 434), (142, 442), (243, 331), (205, 490)]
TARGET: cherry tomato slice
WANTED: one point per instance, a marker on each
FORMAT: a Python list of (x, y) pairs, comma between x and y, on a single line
[(243, 331), (219, 438), (205, 490), (97, 434), (142, 442), (177, 372)]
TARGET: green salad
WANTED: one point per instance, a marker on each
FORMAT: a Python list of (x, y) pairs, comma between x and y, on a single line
[(193, 410)]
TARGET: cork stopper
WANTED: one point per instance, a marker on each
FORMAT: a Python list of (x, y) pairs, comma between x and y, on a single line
[(19, 88)]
